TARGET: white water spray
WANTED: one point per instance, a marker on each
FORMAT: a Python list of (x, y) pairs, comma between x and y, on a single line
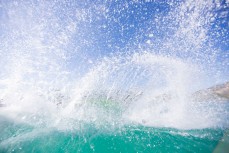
[(52, 78)]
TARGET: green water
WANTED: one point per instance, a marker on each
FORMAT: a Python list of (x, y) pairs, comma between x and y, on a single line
[(21, 138)]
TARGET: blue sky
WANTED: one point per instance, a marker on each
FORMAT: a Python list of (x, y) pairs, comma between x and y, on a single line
[(108, 27)]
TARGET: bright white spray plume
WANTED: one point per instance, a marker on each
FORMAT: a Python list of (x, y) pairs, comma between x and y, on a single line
[(49, 78)]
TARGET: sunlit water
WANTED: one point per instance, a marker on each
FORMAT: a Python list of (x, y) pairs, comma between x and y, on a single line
[(112, 76)]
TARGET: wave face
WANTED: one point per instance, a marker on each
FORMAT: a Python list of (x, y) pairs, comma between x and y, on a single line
[(99, 75)]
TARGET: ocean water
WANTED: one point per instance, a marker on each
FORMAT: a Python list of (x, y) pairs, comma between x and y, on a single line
[(113, 76), (112, 132), (130, 138)]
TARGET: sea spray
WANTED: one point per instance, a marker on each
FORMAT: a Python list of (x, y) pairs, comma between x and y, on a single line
[(45, 71)]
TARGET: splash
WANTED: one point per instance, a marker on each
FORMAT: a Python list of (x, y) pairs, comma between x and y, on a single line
[(69, 64)]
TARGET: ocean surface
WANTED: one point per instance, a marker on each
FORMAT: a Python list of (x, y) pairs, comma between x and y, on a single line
[(111, 133), (18, 137)]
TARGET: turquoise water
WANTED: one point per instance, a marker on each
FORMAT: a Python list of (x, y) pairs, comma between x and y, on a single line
[(15, 137)]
